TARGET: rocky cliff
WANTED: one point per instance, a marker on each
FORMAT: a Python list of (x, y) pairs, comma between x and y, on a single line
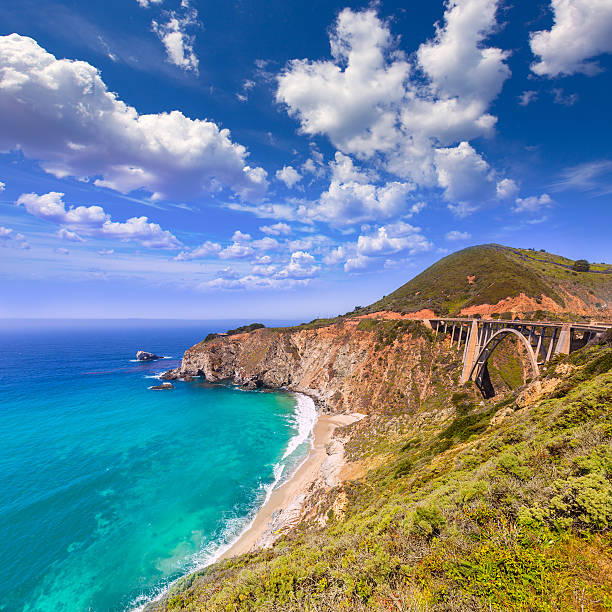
[(349, 366)]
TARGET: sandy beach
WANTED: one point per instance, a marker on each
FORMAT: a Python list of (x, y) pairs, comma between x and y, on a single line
[(290, 495)]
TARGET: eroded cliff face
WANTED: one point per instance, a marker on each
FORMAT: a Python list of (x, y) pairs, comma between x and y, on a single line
[(345, 367)]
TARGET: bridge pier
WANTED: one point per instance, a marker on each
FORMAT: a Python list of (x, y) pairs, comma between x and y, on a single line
[(564, 343), (471, 352)]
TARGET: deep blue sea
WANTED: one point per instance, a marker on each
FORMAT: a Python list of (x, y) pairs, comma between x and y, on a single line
[(108, 490)]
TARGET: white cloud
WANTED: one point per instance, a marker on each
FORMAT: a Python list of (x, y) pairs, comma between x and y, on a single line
[(301, 265), (239, 236), (62, 251), (299, 271), (506, 189), (533, 203), (9, 238), (65, 234), (315, 241), (277, 229), (456, 235), (527, 97), (265, 244), (177, 42), (147, 3), (373, 248), (348, 99), (359, 263), (457, 62), (355, 202), (372, 102), (2, 186), (464, 175), (582, 30), (255, 282), (344, 170), (289, 175), (236, 250), (61, 113), (106, 252), (595, 177), (394, 238), (560, 97), (93, 221), (206, 249)]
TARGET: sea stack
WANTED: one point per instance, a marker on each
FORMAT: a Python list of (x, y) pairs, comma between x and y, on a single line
[(163, 387), (146, 356)]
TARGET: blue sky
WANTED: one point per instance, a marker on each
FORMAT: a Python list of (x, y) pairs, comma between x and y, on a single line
[(190, 159)]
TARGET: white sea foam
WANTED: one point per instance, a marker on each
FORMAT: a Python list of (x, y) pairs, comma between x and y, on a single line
[(304, 419)]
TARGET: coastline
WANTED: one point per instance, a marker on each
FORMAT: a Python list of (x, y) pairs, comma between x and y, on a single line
[(282, 509)]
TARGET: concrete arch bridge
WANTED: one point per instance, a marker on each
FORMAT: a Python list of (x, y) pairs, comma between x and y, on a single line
[(541, 340)]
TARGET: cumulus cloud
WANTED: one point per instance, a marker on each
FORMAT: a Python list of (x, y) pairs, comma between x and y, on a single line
[(176, 40), (8, 237), (148, 3), (457, 63), (301, 266), (582, 30), (241, 246), (239, 236), (465, 176), (372, 102), (206, 249), (394, 238), (456, 235), (289, 175), (533, 203), (93, 221), (278, 229), (298, 271), (373, 247), (65, 234), (506, 188), (355, 202), (61, 113), (2, 186), (352, 98)]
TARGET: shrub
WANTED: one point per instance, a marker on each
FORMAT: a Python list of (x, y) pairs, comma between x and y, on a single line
[(581, 265), (588, 499)]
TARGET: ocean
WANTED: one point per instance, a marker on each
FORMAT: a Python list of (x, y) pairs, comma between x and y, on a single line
[(110, 491)]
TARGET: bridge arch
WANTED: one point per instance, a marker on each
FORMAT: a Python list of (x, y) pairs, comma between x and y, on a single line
[(480, 373)]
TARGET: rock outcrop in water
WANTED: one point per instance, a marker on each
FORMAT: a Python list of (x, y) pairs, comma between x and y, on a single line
[(163, 387), (146, 356)]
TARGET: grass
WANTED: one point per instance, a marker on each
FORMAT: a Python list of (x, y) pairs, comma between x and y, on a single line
[(461, 510), (489, 273)]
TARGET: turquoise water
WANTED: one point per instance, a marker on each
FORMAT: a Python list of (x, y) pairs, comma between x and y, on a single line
[(109, 491)]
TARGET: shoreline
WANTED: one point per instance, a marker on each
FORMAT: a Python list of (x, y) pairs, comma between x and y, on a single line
[(289, 497), (286, 500)]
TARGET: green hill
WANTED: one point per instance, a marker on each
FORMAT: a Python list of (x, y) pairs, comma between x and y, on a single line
[(489, 273)]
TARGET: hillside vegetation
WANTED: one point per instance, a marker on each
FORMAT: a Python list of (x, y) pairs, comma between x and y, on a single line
[(490, 273), (462, 505)]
